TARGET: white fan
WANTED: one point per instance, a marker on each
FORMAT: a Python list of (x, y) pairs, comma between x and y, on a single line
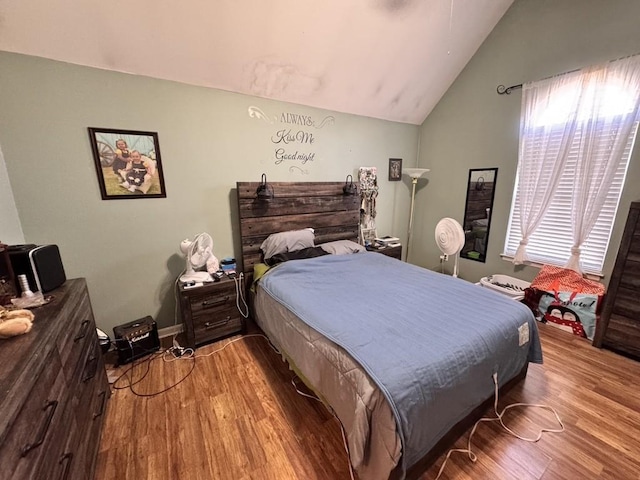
[(199, 253), (450, 239)]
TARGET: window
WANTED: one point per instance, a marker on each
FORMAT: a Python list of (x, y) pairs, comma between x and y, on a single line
[(576, 137)]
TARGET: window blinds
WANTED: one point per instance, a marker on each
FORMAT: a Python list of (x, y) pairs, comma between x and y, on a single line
[(551, 242)]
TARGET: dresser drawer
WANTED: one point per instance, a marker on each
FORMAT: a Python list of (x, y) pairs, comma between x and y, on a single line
[(31, 435), (89, 440), (85, 381), (83, 329), (63, 454)]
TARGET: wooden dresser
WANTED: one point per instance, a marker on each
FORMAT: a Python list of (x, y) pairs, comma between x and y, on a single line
[(53, 391), (619, 326), (210, 312)]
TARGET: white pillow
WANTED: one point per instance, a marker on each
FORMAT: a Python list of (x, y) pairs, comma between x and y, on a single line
[(342, 247), (290, 241)]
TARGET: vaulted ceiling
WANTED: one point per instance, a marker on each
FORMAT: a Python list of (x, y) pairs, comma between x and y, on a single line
[(387, 59)]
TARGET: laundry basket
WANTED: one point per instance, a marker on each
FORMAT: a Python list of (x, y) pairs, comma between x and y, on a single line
[(506, 285)]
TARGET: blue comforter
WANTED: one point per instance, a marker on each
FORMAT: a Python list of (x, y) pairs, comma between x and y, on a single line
[(431, 342)]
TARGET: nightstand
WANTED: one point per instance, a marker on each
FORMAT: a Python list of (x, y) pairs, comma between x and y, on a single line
[(210, 312), (395, 252)]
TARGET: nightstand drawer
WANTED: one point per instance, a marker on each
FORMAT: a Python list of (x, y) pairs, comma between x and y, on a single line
[(208, 304), (218, 327)]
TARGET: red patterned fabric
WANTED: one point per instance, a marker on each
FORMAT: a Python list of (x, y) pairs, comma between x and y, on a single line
[(558, 279)]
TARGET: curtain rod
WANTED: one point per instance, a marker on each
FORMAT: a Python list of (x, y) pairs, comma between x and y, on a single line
[(502, 90)]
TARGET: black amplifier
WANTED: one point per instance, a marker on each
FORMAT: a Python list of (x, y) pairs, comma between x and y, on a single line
[(136, 339)]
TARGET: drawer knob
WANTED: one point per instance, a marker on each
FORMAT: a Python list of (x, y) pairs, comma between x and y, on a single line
[(51, 406), (221, 323)]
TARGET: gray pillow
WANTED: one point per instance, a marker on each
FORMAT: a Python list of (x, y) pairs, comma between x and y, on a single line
[(290, 241), (342, 247)]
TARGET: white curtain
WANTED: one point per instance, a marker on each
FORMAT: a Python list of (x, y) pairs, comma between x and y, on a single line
[(547, 129), (607, 115)]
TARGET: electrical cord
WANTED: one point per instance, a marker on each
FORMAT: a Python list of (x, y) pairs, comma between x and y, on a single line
[(239, 281), (344, 437), (192, 354), (130, 383), (155, 354), (472, 456)]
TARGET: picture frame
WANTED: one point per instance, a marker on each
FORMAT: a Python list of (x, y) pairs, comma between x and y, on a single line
[(395, 169), (127, 163), (368, 236)]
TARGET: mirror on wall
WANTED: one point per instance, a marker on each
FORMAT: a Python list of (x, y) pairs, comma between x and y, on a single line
[(477, 212)]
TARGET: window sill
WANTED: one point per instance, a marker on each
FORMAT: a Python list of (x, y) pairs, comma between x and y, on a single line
[(589, 275)]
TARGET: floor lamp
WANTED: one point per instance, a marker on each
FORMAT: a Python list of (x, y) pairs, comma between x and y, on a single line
[(415, 174)]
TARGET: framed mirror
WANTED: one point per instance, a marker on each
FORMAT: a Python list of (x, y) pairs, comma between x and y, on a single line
[(477, 212)]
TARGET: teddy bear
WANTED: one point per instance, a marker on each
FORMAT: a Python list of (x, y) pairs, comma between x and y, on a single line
[(15, 322)]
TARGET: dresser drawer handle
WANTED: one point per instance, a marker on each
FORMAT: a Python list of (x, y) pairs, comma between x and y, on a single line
[(217, 301), (210, 325), (67, 457), (102, 394), (51, 406), (83, 331), (92, 367)]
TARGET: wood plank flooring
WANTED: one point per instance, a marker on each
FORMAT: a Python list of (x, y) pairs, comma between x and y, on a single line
[(237, 416)]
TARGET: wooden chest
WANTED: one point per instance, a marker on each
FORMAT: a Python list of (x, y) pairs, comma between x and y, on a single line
[(619, 326)]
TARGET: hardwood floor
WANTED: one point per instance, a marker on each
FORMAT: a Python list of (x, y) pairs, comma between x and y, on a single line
[(237, 416)]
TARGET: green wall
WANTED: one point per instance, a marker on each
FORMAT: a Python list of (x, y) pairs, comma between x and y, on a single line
[(474, 127), (129, 249), (10, 228)]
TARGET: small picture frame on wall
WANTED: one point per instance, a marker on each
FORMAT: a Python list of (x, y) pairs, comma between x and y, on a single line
[(395, 169), (127, 163)]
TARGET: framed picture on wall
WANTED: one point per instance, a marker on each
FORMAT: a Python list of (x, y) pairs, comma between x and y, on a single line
[(127, 163), (395, 169)]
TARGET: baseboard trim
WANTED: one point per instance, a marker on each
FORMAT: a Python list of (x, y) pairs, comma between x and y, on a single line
[(171, 331)]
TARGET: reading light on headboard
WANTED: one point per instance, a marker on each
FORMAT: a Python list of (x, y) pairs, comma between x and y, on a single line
[(264, 190), (349, 187)]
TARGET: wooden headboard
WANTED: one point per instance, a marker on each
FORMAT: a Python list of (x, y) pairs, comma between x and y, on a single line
[(320, 205)]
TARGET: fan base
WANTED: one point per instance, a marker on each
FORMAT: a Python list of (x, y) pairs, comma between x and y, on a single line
[(196, 277)]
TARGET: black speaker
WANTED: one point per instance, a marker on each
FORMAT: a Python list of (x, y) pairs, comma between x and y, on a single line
[(41, 264), (136, 339)]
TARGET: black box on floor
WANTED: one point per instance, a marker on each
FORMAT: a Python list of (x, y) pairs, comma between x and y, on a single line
[(136, 339)]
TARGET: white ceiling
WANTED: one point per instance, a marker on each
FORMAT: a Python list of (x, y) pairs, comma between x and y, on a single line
[(388, 59)]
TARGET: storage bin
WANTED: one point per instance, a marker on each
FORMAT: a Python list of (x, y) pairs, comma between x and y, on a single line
[(506, 285)]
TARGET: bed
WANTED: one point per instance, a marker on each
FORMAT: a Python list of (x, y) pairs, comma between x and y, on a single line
[(404, 357)]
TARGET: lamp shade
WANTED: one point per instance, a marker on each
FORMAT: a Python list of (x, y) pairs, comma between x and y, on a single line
[(415, 172)]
